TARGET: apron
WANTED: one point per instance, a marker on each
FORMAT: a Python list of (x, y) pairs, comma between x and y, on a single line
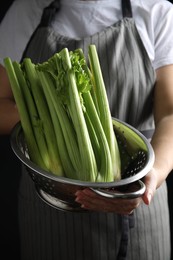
[(49, 234)]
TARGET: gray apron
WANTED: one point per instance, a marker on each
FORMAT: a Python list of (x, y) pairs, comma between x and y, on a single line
[(50, 234)]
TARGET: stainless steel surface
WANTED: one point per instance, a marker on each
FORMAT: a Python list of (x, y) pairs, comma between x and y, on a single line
[(113, 193), (63, 189)]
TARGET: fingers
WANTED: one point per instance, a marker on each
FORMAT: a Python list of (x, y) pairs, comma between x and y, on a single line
[(92, 201)]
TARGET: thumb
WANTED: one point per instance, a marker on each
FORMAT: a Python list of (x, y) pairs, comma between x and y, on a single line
[(151, 184)]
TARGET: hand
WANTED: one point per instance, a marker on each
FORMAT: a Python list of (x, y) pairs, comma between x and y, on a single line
[(151, 183), (92, 201)]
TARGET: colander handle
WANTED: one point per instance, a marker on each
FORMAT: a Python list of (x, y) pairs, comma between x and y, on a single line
[(126, 195)]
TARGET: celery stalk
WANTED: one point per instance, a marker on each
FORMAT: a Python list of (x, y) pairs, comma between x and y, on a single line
[(88, 161), (104, 164), (54, 163), (33, 150), (94, 140), (104, 110), (105, 173), (33, 114), (66, 139)]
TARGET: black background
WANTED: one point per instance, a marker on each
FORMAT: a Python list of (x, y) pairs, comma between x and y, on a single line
[(10, 175)]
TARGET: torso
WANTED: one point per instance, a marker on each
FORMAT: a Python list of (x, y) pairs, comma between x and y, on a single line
[(147, 15)]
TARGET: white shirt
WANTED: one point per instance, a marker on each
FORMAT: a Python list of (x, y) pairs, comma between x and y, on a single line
[(154, 21)]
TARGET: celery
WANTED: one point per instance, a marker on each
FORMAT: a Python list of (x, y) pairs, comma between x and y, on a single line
[(105, 171), (64, 108), (104, 110), (94, 140), (65, 135), (88, 162), (33, 150), (53, 162), (97, 134), (33, 114)]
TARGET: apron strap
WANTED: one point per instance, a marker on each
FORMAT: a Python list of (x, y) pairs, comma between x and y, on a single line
[(48, 13), (127, 9), (148, 133), (128, 221)]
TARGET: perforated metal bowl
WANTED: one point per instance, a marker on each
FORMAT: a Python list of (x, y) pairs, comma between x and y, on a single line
[(137, 158)]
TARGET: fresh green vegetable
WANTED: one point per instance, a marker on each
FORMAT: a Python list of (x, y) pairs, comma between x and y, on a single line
[(65, 106), (104, 110), (53, 160), (23, 111), (65, 134)]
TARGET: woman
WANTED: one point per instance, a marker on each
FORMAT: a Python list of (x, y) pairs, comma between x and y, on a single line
[(135, 46)]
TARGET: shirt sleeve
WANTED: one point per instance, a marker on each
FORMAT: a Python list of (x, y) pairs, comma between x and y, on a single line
[(16, 28), (163, 36)]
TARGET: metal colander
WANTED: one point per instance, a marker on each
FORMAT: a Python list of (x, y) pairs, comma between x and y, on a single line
[(137, 159)]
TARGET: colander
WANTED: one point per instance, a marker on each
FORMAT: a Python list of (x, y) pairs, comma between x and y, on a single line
[(137, 157)]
